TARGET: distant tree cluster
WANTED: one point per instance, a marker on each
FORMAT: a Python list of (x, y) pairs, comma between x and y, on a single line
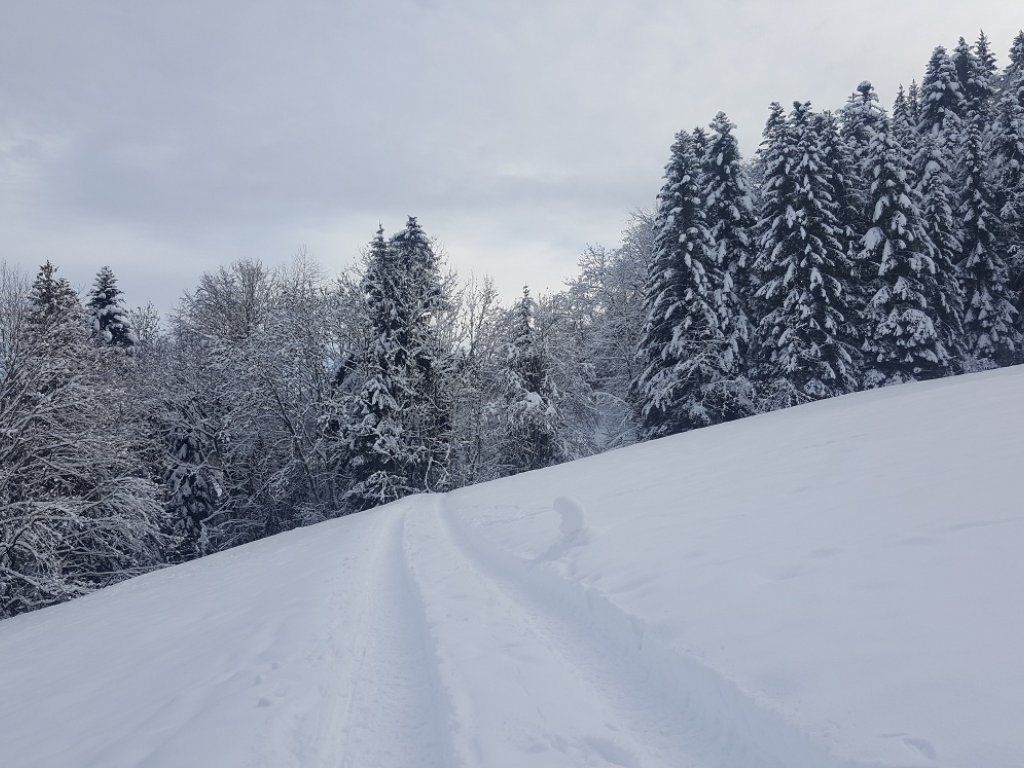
[(874, 248), (272, 399), (856, 250)]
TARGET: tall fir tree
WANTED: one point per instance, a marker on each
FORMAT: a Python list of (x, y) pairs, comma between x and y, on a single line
[(938, 204), (529, 410), (943, 103), (914, 103), (56, 322), (908, 339), (904, 121), (806, 341), (683, 351), (730, 220), (1015, 67), (424, 305), (989, 314), (381, 459), (849, 204), (192, 487), (972, 81), (110, 323), (984, 88), (773, 160), (1007, 173), (860, 119)]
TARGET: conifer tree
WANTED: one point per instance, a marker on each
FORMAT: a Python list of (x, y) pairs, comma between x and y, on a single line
[(914, 103), (904, 122), (984, 54), (190, 480), (906, 342), (849, 205), (381, 459), (773, 160), (110, 323), (943, 103), (529, 400), (682, 349), (983, 90), (52, 298), (938, 203), (860, 119), (805, 340), (700, 146), (423, 303), (1015, 68), (1007, 174), (972, 81), (56, 322), (989, 314), (730, 220)]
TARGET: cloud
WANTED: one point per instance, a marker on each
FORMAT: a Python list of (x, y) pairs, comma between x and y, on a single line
[(200, 132)]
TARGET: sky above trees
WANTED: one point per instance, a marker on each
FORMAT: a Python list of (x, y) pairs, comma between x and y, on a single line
[(163, 139)]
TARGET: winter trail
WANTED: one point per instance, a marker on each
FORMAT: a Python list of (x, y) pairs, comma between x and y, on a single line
[(494, 617), (395, 713)]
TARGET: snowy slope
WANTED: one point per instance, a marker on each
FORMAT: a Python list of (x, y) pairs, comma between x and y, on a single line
[(832, 585)]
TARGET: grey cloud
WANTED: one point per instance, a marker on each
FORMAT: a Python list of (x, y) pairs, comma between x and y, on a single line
[(199, 132)]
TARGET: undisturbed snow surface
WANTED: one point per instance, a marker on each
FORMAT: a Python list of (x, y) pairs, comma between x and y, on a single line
[(832, 585)]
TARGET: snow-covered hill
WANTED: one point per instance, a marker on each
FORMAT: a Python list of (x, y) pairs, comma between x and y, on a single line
[(834, 585)]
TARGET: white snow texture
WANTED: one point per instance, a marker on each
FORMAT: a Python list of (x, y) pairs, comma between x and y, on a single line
[(837, 584)]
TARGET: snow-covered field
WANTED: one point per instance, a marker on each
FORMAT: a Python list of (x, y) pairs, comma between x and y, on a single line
[(834, 585)]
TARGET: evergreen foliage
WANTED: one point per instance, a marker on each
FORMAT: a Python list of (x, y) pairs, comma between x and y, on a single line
[(529, 402), (110, 323), (806, 338), (682, 349), (422, 305), (989, 316), (1015, 68), (938, 201), (860, 120), (907, 340), (943, 103), (190, 479), (730, 221), (381, 457)]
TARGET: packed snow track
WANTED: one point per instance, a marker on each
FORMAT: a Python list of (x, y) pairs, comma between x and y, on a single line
[(834, 586)]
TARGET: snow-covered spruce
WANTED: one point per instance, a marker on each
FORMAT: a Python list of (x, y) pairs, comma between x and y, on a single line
[(688, 367), (805, 340), (908, 340), (110, 323), (529, 412), (989, 314), (730, 221)]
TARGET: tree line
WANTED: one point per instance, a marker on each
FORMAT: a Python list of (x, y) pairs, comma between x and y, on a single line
[(855, 249)]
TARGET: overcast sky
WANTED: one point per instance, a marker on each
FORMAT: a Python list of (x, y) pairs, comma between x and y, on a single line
[(166, 137)]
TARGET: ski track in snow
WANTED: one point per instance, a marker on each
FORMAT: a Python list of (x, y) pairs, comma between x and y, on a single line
[(633, 704), (395, 712)]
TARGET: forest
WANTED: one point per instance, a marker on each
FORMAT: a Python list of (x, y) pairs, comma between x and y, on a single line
[(854, 249)]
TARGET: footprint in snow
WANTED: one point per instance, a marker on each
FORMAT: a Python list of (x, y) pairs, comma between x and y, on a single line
[(572, 532)]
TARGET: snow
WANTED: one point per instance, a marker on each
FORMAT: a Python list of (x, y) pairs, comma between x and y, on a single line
[(831, 585)]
